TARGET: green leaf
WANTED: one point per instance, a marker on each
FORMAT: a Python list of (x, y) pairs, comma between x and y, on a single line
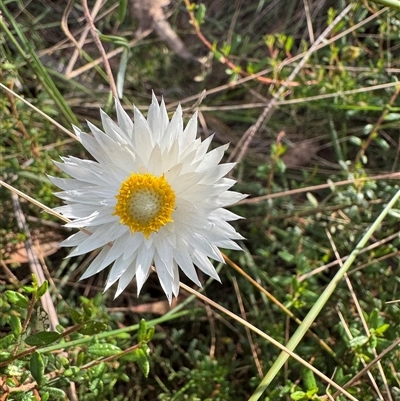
[(42, 289), (298, 396), (36, 366), (72, 371), (88, 307), (35, 281), (381, 329), (355, 140), (4, 356), (95, 385), (15, 324), (129, 357), (373, 319), (392, 117), (42, 338), (121, 72), (310, 393), (286, 256), (309, 380), (93, 327), (312, 199), (17, 299), (76, 316), (382, 143), (200, 13), (289, 44), (373, 341), (104, 350), (54, 392), (149, 334), (122, 7), (44, 396), (142, 330), (6, 341), (358, 341), (143, 361), (117, 40), (14, 369), (98, 370)]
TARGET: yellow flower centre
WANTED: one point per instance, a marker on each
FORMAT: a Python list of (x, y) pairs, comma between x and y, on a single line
[(145, 203)]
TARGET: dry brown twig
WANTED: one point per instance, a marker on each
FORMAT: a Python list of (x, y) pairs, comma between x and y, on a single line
[(225, 60), (241, 148), (99, 45), (34, 263), (78, 45)]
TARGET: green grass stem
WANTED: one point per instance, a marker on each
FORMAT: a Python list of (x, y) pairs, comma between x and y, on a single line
[(112, 333), (388, 3), (29, 55)]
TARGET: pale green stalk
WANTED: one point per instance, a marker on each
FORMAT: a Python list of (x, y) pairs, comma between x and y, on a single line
[(113, 333), (313, 313), (389, 3)]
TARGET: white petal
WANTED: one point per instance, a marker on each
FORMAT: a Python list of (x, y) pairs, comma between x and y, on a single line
[(116, 250), (165, 253), (155, 161), (166, 280), (75, 239), (157, 119), (190, 132), (204, 264), (202, 148), (125, 279), (136, 240), (111, 128), (143, 260), (119, 151), (143, 139), (213, 157), (94, 267), (230, 198), (175, 128), (202, 244), (100, 237), (82, 222), (226, 215), (124, 121), (120, 266), (66, 183), (185, 182), (94, 148), (216, 173), (92, 195), (77, 210), (228, 244), (184, 261), (175, 284)]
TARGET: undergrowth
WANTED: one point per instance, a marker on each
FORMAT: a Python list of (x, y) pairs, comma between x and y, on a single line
[(319, 170)]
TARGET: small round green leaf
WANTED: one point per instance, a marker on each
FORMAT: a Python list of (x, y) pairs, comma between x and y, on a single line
[(36, 366), (17, 299), (42, 338), (104, 350)]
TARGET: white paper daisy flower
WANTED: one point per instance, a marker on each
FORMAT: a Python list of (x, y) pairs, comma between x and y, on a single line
[(154, 197)]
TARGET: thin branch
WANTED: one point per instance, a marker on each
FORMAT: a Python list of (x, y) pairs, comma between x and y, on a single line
[(99, 45)]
